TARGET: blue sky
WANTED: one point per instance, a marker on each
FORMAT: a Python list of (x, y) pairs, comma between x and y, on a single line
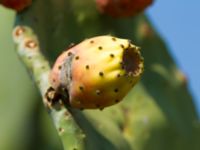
[(178, 22)]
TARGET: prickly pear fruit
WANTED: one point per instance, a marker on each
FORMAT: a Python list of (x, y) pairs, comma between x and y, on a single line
[(98, 72), (122, 8), (17, 5)]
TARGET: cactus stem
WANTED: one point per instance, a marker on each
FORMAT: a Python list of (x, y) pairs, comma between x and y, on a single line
[(28, 49)]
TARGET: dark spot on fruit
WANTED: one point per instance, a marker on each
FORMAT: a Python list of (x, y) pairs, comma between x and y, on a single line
[(54, 80), (116, 101), (112, 55), (101, 74), (118, 75), (91, 41), (69, 54), (116, 90), (100, 47), (77, 57), (81, 88), (122, 46), (122, 65), (87, 67), (59, 67), (114, 39), (98, 92)]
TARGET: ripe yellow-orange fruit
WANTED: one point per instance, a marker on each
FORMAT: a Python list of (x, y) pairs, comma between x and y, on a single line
[(98, 72)]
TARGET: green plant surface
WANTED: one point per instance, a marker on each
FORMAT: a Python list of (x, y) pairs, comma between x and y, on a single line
[(24, 122)]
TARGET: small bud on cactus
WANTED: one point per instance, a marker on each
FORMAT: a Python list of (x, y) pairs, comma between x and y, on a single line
[(17, 5), (98, 72), (122, 8)]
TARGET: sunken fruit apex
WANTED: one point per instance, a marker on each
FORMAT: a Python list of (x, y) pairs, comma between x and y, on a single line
[(98, 72)]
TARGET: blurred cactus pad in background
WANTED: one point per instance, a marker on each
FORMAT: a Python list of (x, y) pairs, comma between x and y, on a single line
[(158, 113)]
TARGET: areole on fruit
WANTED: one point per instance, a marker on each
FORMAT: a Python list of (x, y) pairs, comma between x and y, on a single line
[(98, 72)]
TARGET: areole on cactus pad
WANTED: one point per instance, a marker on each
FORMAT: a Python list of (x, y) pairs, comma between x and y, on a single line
[(98, 72)]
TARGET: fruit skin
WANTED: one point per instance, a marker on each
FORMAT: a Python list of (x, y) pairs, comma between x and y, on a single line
[(98, 72), (122, 8), (17, 5)]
